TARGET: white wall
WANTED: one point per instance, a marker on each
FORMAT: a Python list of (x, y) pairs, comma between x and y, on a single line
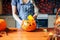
[(51, 20)]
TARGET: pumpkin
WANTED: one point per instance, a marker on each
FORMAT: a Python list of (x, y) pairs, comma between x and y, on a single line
[(2, 24), (29, 25)]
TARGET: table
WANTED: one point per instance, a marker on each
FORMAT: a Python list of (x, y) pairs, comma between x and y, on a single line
[(23, 35)]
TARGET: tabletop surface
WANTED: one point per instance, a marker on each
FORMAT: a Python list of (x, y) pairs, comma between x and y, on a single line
[(23, 35)]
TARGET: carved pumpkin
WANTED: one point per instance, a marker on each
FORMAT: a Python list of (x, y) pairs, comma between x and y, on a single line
[(29, 25), (2, 24)]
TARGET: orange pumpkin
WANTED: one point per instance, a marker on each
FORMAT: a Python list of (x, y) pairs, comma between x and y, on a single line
[(2, 24), (29, 25)]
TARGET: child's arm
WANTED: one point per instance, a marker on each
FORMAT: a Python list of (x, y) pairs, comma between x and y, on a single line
[(15, 16), (35, 9)]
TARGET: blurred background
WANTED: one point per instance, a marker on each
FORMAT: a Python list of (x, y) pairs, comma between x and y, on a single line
[(45, 6)]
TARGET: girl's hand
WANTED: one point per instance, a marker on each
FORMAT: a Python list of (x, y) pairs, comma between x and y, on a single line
[(59, 10), (34, 16)]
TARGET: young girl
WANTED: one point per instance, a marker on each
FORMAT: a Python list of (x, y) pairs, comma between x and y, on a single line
[(23, 8)]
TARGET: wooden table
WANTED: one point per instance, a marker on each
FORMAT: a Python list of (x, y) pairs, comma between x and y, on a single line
[(23, 35)]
